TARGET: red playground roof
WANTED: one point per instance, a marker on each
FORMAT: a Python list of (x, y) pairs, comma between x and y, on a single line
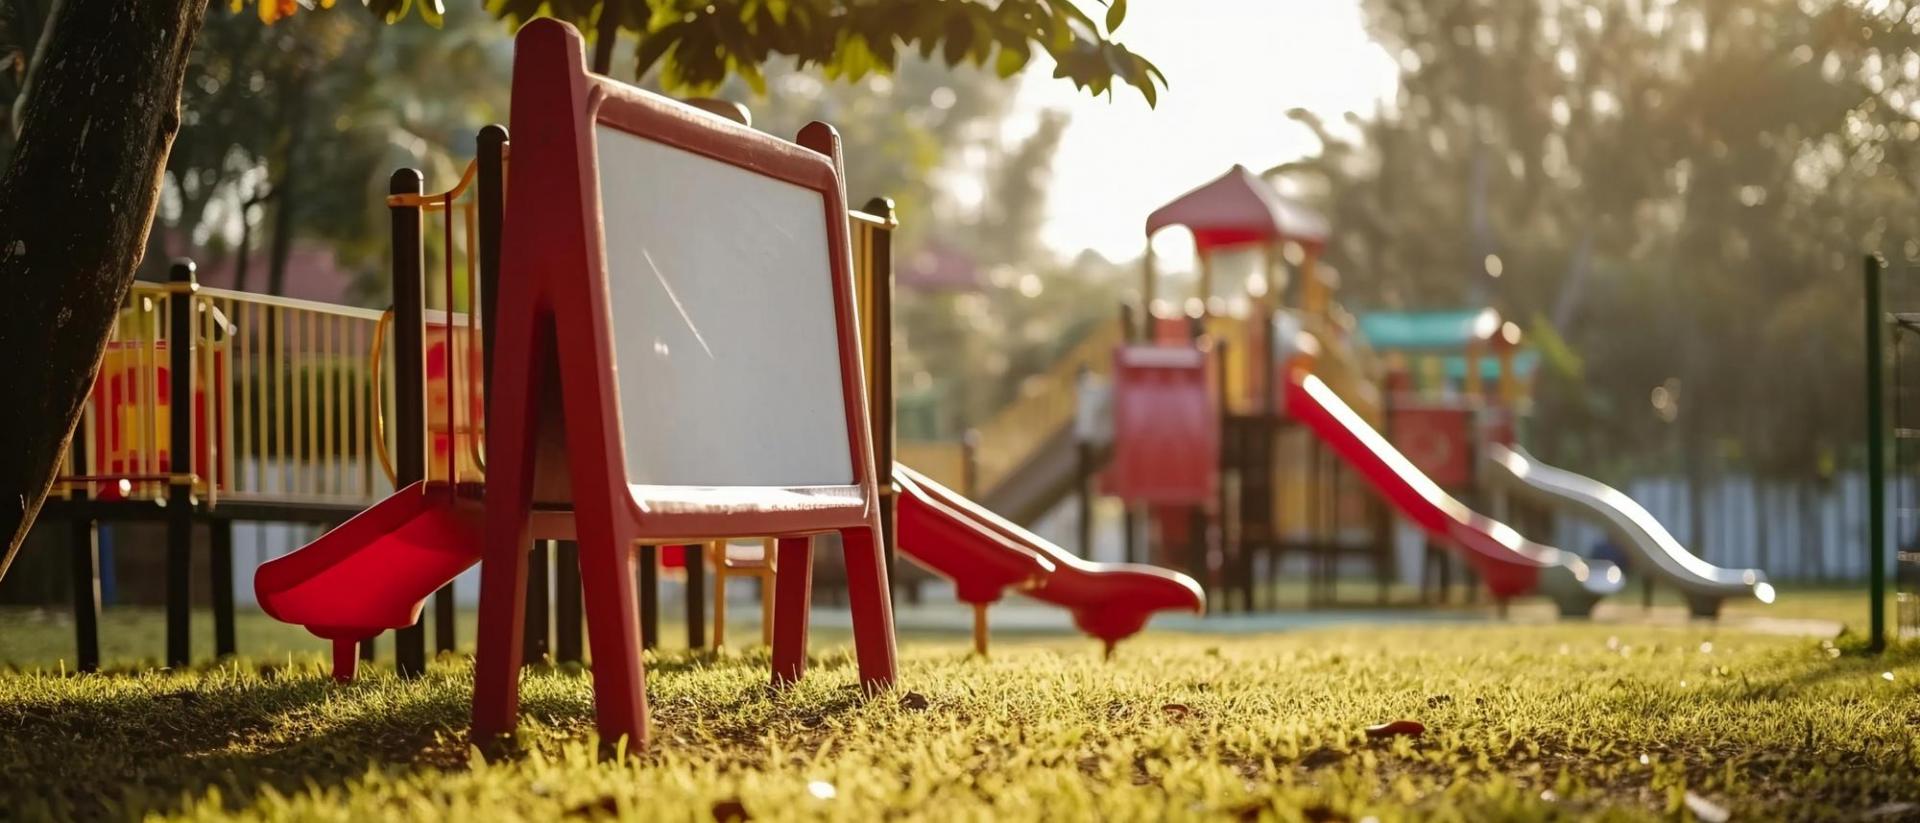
[(1239, 207)]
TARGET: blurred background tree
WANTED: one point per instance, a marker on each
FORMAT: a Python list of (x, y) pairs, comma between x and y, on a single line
[(289, 132)]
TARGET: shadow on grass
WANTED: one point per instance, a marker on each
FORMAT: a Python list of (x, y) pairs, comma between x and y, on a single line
[(126, 747), (120, 746)]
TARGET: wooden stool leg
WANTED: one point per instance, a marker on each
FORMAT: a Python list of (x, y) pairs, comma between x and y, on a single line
[(717, 551), (767, 553), (793, 579), (872, 605), (980, 629)]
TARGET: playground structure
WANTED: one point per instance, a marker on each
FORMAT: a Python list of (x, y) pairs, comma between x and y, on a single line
[(316, 404), (1430, 408), (1296, 445)]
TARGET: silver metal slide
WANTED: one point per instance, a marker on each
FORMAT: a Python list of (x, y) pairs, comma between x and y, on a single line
[(1650, 547)]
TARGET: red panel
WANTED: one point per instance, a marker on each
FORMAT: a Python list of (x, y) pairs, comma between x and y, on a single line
[(1173, 331), (1166, 425), (128, 370), (1438, 441)]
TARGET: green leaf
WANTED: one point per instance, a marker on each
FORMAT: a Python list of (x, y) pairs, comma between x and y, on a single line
[(1010, 61), (959, 38), (654, 45), (389, 11), (693, 48)]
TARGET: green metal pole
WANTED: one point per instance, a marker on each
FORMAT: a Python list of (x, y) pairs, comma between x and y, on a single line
[(1876, 457)]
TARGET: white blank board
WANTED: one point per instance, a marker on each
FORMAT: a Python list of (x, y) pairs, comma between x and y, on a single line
[(723, 321)]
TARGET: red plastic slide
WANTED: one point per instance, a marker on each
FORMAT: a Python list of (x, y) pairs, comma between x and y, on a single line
[(372, 573), (1166, 427), (1508, 563), (985, 554)]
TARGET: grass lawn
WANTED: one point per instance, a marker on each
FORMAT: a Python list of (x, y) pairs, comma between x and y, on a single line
[(1524, 721)]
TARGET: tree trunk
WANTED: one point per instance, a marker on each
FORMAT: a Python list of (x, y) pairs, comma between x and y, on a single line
[(606, 35), (75, 208), (280, 244)]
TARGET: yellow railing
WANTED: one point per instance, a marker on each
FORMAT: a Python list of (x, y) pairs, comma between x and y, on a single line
[(863, 229), (300, 403), (1044, 405), (282, 402), (125, 424), (943, 460)]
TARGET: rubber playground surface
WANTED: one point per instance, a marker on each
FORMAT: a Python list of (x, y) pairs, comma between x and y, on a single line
[(1626, 717)]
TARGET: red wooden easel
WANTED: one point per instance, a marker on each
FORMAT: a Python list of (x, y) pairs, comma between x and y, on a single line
[(555, 429)]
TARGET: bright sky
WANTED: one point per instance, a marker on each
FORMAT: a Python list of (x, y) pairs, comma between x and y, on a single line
[(1234, 68)]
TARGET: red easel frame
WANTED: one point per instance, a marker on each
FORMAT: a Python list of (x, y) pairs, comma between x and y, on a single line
[(555, 330)]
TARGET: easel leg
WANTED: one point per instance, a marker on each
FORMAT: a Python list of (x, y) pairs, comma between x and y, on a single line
[(613, 629), (872, 608), (792, 601)]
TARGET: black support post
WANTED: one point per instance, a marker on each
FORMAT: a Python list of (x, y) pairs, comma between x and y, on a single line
[(444, 619), (1876, 459), (490, 195), (880, 404), (220, 545), (566, 602), (85, 558), (180, 487), (409, 380), (1224, 418), (86, 593), (695, 554), (649, 596), (538, 637)]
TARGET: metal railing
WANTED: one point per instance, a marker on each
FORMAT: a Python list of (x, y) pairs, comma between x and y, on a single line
[(281, 400), (443, 247)]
